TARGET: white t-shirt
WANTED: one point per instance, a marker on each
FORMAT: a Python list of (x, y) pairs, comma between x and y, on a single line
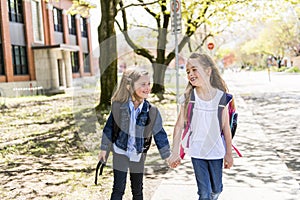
[(206, 140)]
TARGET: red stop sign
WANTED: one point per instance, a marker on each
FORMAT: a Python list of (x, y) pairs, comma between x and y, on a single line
[(210, 46)]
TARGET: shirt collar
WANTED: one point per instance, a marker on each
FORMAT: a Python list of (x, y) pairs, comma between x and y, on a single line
[(131, 105)]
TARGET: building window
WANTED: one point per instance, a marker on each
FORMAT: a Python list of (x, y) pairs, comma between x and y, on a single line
[(75, 62), (72, 24), (86, 62), (19, 57), (83, 26), (57, 19), (36, 20), (2, 70), (15, 11)]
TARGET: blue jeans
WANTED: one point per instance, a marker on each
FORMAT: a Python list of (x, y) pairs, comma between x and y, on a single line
[(121, 164), (209, 178)]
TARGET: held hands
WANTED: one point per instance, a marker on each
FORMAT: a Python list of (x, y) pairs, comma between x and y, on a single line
[(174, 160)]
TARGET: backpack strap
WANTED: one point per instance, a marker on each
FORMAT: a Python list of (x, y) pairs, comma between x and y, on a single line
[(190, 115), (225, 99), (152, 117), (187, 125), (148, 129), (191, 107), (116, 118)]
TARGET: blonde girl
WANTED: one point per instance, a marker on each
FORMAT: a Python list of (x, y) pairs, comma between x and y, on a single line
[(127, 131), (207, 149)]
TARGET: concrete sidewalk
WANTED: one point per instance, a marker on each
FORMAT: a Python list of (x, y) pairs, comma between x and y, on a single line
[(259, 175)]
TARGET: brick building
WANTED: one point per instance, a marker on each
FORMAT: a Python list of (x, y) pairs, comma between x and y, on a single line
[(42, 47)]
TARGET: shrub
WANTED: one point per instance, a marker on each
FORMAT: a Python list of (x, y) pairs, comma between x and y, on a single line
[(281, 69), (258, 68), (293, 70)]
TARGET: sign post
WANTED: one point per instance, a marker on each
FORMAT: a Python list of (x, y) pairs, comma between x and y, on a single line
[(176, 16), (176, 28)]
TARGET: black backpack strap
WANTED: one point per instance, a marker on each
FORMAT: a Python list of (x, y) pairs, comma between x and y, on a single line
[(225, 99), (100, 166), (221, 107)]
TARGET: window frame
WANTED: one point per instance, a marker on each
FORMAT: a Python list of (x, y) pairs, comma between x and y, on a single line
[(72, 24), (83, 27), (2, 67), (57, 19), (15, 11), (86, 63), (75, 62), (19, 60), (37, 31)]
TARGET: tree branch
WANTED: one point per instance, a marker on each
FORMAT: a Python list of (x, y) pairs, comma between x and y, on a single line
[(182, 43), (153, 14), (137, 4), (142, 26), (138, 50), (204, 39)]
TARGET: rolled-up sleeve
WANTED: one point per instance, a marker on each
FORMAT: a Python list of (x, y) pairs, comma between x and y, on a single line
[(161, 137), (107, 134)]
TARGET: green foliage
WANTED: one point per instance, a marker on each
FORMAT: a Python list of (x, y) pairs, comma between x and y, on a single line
[(274, 35), (222, 53), (281, 69), (258, 68), (81, 7), (293, 70)]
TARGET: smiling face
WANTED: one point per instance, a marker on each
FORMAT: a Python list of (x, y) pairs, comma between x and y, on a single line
[(196, 74), (142, 87)]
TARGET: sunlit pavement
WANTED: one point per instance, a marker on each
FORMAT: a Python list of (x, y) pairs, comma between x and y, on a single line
[(262, 172)]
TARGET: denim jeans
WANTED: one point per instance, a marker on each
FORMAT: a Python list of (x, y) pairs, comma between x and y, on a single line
[(208, 175), (121, 164)]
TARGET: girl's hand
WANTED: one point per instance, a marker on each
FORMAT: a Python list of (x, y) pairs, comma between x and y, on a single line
[(174, 160), (228, 161), (175, 163), (102, 156)]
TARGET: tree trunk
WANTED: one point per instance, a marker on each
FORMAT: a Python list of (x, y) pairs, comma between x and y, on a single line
[(158, 87), (108, 53), (159, 66)]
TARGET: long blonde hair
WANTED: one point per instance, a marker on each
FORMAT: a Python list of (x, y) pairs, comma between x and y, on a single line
[(126, 87), (216, 80)]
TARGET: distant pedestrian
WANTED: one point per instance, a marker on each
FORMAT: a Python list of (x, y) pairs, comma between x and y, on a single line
[(206, 147), (279, 62), (127, 133)]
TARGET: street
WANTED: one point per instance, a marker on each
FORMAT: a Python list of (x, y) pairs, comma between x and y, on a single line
[(276, 108)]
